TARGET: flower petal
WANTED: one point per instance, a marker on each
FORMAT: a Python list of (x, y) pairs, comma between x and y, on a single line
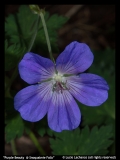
[(32, 102), (34, 68), (76, 58), (63, 113), (89, 89)]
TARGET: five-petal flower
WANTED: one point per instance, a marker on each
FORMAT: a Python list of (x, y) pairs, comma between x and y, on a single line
[(56, 86)]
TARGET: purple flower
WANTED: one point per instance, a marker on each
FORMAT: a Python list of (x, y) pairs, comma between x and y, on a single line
[(56, 86)]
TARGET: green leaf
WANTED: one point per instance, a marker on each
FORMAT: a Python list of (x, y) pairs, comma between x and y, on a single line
[(20, 28), (12, 129), (53, 23), (56, 22), (12, 55), (14, 123), (40, 41), (86, 142), (42, 127)]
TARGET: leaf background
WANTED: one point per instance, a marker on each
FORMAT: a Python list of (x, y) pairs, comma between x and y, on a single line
[(78, 141)]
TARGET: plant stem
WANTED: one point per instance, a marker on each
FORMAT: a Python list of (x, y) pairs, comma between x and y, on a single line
[(34, 35), (47, 36), (36, 143), (14, 151), (14, 75)]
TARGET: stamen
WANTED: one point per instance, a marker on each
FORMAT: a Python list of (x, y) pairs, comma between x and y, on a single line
[(59, 84)]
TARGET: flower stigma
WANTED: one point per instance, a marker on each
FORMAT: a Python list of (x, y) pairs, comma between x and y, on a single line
[(59, 83)]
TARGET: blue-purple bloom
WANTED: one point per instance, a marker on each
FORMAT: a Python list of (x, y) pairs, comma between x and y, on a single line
[(56, 86)]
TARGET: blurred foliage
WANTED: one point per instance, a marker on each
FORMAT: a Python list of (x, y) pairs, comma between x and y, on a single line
[(103, 65), (20, 28), (96, 135), (42, 128), (84, 142), (13, 54), (14, 123)]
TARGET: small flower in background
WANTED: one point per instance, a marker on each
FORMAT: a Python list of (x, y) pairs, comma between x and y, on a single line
[(54, 87)]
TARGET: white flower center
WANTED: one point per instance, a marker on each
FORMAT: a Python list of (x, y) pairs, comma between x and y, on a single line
[(59, 83), (57, 77)]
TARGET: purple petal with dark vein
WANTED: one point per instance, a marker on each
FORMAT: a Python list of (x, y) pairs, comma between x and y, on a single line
[(76, 58), (63, 113), (33, 102), (34, 68), (89, 89)]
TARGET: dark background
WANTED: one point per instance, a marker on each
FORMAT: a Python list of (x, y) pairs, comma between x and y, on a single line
[(91, 24)]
